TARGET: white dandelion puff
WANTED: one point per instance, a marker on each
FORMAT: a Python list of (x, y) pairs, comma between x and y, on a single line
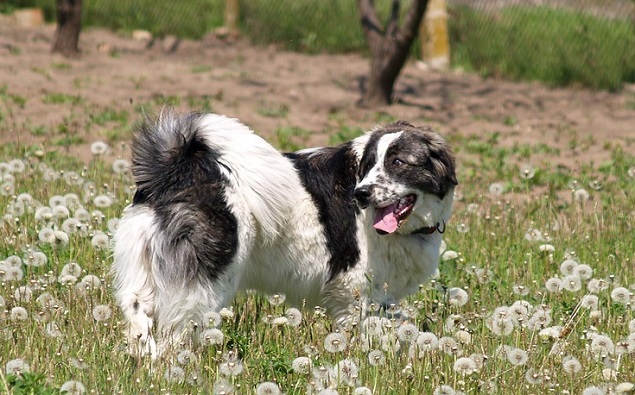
[(17, 166), (71, 201), (60, 212), (113, 224), (61, 238), (294, 317), (222, 386), (35, 259), (268, 388), (448, 345), (73, 387), (581, 195), (427, 341), (362, 391), (589, 302), (67, 279), (335, 342), (625, 387), (102, 201), (517, 356), (464, 366), (571, 365), (527, 172), (533, 377), (347, 371), (212, 319), (185, 357), (73, 179), (496, 189), (449, 255), (11, 274), (444, 390), (53, 330), (621, 295), (520, 290), (602, 345), (568, 266), (596, 285), (546, 248), (226, 314), (554, 285), (46, 235), (120, 166), (71, 225), (534, 235), (593, 390), (583, 271), (7, 189), (71, 268), (100, 241), (572, 283), (302, 365), (174, 374), (82, 215), (17, 367), (102, 312), (19, 313), (23, 293), (231, 368), (99, 148), (212, 337), (376, 358), (457, 297), (407, 332), (13, 261)]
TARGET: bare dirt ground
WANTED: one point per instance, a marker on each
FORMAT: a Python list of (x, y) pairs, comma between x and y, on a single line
[(267, 88)]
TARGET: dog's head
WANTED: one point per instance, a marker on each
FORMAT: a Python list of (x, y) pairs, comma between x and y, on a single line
[(406, 177)]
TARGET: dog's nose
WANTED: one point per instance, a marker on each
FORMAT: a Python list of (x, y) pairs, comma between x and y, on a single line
[(362, 195)]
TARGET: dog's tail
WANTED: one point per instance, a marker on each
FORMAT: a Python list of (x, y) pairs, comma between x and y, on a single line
[(175, 152)]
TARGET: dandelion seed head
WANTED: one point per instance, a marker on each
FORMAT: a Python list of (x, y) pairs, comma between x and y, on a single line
[(462, 228), (268, 388), (407, 332), (212, 337), (571, 365), (185, 357), (102, 201), (625, 387), (276, 299), (589, 302), (581, 195), (449, 255), (19, 313), (568, 266), (23, 293), (533, 377), (335, 342), (444, 390), (597, 285), (174, 374), (113, 224), (463, 337), (517, 356), (71, 268), (212, 319), (35, 259), (376, 358), (621, 295), (231, 368), (53, 330), (593, 390), (46, 235), (448, 345), (546, 248), (102, 313), (602, 345), (302, 365), (7, 188), (100, 241), (571, 283), (347, 371), (534, 235), (72, 387), (464, 366), (222, 386), (17, 367), (120, 166), (362, 391), (554, 285), (583, 271), (501, 326), (67, 279), (11, 273), (496, 189), (427, 341), (457, 297), (99, 148), (226, 314), (82, 215), (294, 317), (520, 290), (17, 166), (527, 172)]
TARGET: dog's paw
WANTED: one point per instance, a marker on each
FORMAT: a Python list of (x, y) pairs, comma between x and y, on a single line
[(140, 339)]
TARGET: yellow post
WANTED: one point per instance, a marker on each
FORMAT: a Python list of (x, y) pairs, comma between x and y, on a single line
[(435, 45), (232, 12)]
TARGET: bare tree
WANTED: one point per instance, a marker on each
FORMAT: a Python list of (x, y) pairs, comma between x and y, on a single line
[(389, 47), (69, 23)]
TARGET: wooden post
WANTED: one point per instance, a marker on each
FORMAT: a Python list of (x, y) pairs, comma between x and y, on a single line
[(232, 13), (435, 45)]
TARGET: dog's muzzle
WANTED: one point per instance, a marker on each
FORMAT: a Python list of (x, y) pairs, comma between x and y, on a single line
[(362, 195)]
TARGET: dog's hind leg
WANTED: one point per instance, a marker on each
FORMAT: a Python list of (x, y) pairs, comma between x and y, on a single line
[(134, 284)]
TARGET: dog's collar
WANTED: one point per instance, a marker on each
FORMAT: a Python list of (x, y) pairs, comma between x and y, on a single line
[(428, 230)]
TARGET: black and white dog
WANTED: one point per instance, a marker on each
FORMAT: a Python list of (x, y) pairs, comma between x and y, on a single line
[(217, 209)]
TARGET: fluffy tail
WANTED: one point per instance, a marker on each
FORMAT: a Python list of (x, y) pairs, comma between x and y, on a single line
[(178, 151)]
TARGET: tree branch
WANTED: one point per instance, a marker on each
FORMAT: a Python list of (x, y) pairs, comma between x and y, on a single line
[(373, 29), (413, 20)]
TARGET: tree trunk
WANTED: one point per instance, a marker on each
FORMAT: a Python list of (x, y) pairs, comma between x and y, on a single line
[(389, 48), (69, 21)]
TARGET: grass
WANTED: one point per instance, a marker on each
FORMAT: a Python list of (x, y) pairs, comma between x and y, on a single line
[(513, 226), (555, 46)]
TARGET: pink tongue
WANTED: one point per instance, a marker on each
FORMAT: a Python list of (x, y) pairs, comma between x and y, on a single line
[(385, 219)]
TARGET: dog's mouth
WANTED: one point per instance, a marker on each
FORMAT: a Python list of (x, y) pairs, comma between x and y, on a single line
[(388, 219)]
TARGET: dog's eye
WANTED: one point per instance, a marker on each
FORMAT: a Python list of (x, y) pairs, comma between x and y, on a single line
[(397, 162)]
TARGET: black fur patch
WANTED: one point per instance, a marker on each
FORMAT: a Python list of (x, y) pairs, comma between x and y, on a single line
[(179, 178), (329, 175)]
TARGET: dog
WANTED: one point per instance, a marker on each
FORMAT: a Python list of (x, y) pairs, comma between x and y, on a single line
[(217, 210)]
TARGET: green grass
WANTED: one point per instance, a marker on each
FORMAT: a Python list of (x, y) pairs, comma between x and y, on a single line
[(555, 46), (495, 239)]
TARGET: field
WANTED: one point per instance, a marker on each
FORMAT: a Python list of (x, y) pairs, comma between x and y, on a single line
[(536, 292)]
